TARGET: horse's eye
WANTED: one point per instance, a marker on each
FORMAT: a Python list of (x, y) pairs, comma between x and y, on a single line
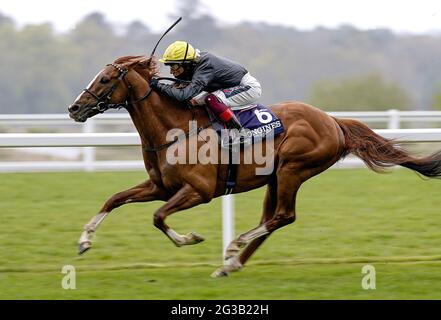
[(104, 80)]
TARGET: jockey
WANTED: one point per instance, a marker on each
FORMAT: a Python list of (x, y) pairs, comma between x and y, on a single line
[(217, 82)]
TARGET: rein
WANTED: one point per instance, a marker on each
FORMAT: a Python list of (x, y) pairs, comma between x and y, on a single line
[(173, 79)]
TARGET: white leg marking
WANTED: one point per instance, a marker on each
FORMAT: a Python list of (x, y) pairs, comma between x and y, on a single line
[(90, 228), (175, 237), (230, 265), (95, 222), (253, 234)]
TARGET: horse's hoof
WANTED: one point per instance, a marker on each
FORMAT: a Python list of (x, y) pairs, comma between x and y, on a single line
[(83, 247), (219, 273), (232, 265), (196, 238)]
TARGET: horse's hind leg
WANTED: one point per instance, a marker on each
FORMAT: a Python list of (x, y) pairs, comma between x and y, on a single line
[(187, 197), (144, 192), (269, 208), (234, 262), (287, 187)]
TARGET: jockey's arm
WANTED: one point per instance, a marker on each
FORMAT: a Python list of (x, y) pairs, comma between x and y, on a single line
[(199, 99), (201, 78), (180, 94)]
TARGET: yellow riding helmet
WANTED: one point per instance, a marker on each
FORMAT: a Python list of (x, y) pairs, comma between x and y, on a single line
[(178, 52)]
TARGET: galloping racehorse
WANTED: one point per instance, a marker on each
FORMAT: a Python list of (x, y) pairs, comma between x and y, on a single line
[(311, 143)]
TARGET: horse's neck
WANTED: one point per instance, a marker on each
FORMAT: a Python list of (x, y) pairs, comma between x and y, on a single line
[(154, 116)]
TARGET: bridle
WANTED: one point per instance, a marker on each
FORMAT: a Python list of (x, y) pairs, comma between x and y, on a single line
[(103, 102)]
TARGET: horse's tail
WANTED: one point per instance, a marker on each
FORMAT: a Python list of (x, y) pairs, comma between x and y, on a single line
[(378, 152)]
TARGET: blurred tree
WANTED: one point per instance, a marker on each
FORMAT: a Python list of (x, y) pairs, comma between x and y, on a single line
[(97, 40), (137, 30), (45, 68), (33, 73), (5, 19), (369, 92), (196, 27), (9, 57), (189, 9), (97, 44), (43, 71), (138, 39), (436, 104)]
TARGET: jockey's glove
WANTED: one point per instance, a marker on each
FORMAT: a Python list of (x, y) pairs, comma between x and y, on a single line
[(154, 83)]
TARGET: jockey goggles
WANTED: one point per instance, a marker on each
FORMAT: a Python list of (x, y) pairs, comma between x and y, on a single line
[(173, 66)]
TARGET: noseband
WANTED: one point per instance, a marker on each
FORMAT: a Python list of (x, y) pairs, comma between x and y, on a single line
[(103, 101)]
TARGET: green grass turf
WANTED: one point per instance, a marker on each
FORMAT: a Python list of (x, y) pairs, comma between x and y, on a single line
[(345, 219)]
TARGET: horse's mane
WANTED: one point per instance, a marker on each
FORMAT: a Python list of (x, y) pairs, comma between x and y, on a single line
[(143, 63)]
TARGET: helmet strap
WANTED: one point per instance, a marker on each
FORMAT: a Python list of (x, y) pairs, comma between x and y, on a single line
[(185, 55)]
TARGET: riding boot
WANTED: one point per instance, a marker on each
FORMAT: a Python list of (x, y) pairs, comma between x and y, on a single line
[(234, 123), (223, 112)]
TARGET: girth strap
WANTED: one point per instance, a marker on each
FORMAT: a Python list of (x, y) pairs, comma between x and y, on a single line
[(230, 181)]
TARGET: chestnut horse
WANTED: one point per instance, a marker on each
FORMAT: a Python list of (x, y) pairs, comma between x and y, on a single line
[(311, 143)]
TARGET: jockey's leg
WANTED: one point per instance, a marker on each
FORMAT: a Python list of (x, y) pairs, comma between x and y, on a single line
[(222, 111), (144, 192), (187, 197), (221, 101)]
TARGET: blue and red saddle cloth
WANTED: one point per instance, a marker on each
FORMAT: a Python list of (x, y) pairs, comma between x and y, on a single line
[(258, 121)]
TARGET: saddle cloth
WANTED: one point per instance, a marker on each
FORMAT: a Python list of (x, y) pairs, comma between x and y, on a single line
[(258, 121)]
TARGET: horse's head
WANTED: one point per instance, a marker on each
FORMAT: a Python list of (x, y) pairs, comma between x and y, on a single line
[(110, 88)]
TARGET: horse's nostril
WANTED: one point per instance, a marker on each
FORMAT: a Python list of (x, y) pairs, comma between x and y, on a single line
[(74, 108)]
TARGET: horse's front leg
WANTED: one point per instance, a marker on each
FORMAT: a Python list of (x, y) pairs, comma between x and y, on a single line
[(187, 197), (147, 191)]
